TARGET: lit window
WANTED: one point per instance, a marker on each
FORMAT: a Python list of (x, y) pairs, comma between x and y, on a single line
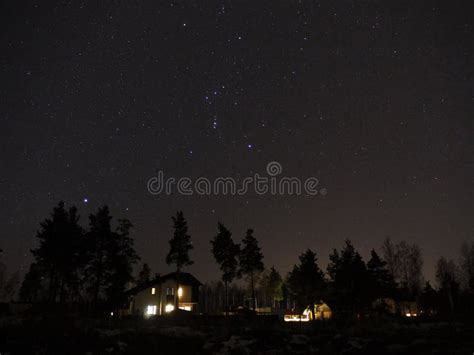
[(186, 308), (151, 310), (170, 291), (153, 290), (169, 308), (180, 292)]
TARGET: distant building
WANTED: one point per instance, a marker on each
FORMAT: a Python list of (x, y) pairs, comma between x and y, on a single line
[(321, 312), (157, 297), (402, 308)]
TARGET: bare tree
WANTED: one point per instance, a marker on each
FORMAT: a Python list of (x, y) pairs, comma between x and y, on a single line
[(391, 257), (467, 265), (412, 266), (447, 277), (8, 283), (405, 263)]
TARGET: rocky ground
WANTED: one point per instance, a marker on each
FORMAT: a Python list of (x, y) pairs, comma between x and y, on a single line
[(53, 335)]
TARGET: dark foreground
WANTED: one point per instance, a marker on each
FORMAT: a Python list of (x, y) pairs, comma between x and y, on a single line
[(207, 335)]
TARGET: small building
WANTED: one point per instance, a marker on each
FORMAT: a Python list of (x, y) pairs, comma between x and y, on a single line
[(157, 297), (321, 312), (402, 308)]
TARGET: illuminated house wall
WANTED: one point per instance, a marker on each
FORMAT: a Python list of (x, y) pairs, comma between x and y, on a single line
[(157, 297), (321, 312), (186, 300)]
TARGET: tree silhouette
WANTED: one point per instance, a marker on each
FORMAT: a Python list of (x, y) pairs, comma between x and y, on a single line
[(447, 277), (429, 299), (349, 279), (467, 265), (144, 275), (392, 257), (121, 256), (111, 256), (272, 285), (225, 253), (251, 261), (180, 246), (8, 283), (99, 239), (411, 269), (405, 262), (32, 288), (381, 280), (306, 282), (58, 257)]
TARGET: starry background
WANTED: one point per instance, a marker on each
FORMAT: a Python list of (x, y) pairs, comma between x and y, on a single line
[(373, 98)]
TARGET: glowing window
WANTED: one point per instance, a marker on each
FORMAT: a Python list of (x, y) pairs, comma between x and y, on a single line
[(180, 292), (151, 310), (186, 308), (169, 308), (153, 290)]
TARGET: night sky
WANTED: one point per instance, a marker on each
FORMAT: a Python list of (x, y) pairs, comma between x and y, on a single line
[(374, 98)]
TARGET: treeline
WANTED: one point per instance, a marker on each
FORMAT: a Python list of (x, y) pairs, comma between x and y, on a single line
[(95, 266), (8, 283), (352, 286), (73, 264), (349, 285)]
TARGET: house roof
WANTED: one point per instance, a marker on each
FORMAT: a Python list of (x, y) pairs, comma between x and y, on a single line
[(185, 278)]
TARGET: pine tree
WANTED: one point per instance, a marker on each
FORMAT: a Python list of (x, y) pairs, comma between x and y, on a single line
[(111, 256), (272, 284), (99, 238), (8, 283), (58, 257), (180, 246), (349, 279), (381, 280), (32, 287), (121, 256), (225, 253), (306, 282), (251, 261), (144, 275), (429, 299)]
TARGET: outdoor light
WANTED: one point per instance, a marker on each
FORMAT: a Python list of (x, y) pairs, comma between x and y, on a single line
[(180, 292)]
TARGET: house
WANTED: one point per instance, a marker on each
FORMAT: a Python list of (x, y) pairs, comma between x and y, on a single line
[(157, 297), (402, 308), (321, 312)]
